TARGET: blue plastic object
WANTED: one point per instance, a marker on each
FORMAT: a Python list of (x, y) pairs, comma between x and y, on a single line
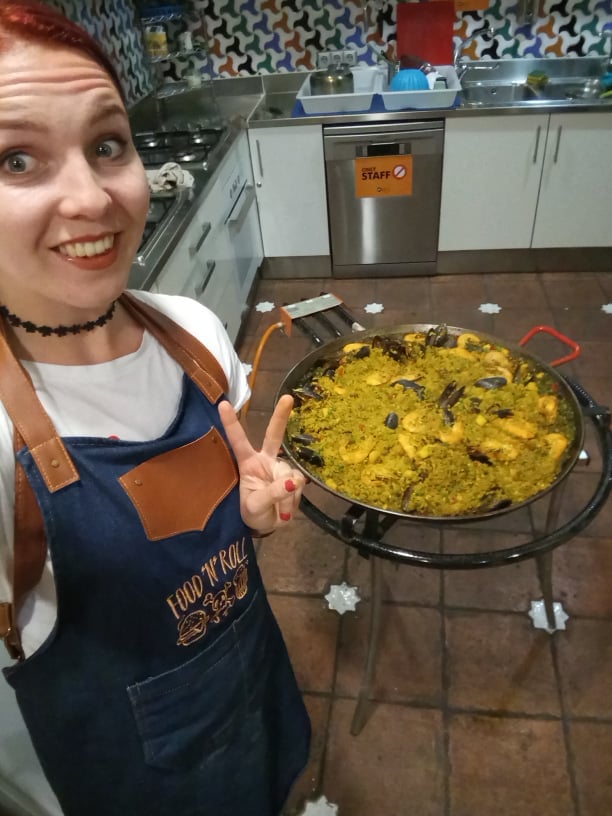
[(409, 79), (606, 81)]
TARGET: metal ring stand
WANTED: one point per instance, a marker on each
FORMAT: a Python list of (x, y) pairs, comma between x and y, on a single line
[(364, 529)]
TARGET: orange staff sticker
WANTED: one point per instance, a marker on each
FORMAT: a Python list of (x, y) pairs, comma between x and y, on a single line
[(383, 176)]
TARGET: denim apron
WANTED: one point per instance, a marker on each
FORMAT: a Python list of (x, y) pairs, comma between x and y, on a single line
[(165, 687)]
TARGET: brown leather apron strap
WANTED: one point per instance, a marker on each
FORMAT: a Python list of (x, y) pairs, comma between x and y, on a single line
[(194, 358), (33, 427), (32, 422)]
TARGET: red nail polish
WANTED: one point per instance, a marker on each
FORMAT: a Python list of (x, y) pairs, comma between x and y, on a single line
[(289, 485), (285, 516)]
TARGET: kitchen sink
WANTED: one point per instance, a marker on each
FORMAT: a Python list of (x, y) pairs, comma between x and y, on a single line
[(503, 83), (499, 95)]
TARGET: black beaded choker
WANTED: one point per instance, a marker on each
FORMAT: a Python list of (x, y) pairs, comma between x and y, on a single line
[(60, 331)]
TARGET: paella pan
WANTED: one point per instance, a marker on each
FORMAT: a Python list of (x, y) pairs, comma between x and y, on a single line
[(431, 422)]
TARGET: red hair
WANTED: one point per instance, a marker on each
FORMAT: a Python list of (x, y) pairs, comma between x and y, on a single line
[(35, 22)]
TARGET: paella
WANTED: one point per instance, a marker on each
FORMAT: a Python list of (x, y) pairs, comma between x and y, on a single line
[(431, 424)]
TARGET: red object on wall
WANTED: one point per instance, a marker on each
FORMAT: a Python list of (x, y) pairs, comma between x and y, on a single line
[(426, 29)]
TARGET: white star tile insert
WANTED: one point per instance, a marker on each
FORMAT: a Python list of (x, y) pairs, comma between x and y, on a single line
[(264, 306), (537, 613), (247, 368), (320, 808), (607, 308), (373, 308), (342, 598), (489, 308)]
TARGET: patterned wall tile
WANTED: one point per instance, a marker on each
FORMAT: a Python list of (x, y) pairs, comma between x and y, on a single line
[(275, 36), (113, 23)]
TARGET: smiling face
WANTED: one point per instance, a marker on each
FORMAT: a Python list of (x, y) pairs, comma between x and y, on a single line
[(73, 191)]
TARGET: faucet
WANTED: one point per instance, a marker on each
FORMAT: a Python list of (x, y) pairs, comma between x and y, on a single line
[(606, 34), (459, 66)]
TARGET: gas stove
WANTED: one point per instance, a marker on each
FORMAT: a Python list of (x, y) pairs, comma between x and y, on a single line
[(190, 146)]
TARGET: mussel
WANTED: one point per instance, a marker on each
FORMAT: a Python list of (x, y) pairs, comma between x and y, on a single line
[(450, 395), (309, 455), (392, 420), (491, 383), (304, 393), (390, 346), (411, 385), (437, 336)]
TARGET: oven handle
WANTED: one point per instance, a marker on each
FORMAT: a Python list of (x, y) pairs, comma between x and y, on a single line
[(195, 248), (210, 268), (240, 210)]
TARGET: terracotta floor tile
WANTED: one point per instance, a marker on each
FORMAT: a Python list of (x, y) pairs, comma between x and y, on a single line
[(582, 576), (573, 290), (513, 324), (300, 558), (309, 783), (464, 317), (592, 748), (515, 291), (595, 359), (585, 324), (266, 388), (412, 295), (402, 581), (508, 767), (310, 630), (500, 663), (510, 587), (605, 281), (580, 489), (448, 290), (409, 659), (585, 666), (395, 767)]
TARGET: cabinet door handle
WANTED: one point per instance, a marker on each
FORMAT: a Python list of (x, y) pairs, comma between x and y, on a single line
[(194, 248), (556, 156), (258, 148), (235, 220), (210, 268), (537, 144)]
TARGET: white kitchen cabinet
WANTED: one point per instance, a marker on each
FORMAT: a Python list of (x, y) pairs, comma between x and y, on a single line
[(575, 204), (490, 181), (289, 172), (515, 182), (217, 258)]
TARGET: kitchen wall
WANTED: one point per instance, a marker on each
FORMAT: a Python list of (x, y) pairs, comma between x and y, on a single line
[(113, 23), (266, 36), (269, 36)]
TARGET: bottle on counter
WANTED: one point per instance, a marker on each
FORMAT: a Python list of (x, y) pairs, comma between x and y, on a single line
[(156, 41)]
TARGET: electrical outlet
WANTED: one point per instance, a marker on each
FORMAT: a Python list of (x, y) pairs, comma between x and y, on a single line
[(323, 60), (336, 57), (349, 57)]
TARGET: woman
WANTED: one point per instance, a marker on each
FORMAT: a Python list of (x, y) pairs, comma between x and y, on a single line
[(150, 671)]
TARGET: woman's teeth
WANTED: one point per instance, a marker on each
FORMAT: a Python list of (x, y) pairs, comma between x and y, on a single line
[(88, 249)]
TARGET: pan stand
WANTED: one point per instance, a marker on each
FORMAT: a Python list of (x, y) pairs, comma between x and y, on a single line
[(544, 561), (372, 528)]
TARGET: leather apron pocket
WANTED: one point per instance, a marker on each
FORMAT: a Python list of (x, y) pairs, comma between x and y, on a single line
[(190, 715), (174, 492)]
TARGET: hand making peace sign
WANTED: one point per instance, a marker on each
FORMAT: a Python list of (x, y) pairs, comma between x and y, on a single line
[(270, 488)]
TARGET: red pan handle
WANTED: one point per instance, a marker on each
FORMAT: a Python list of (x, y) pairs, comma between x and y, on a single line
[(549, 330)]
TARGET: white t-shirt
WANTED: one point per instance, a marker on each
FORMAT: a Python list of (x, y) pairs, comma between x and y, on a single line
[(135, 397)]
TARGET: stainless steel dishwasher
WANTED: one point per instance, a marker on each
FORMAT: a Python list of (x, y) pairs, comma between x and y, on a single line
[(383, 194)]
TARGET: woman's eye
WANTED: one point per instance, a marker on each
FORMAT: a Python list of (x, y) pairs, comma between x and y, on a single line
[(17, 163), (110, 148)]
